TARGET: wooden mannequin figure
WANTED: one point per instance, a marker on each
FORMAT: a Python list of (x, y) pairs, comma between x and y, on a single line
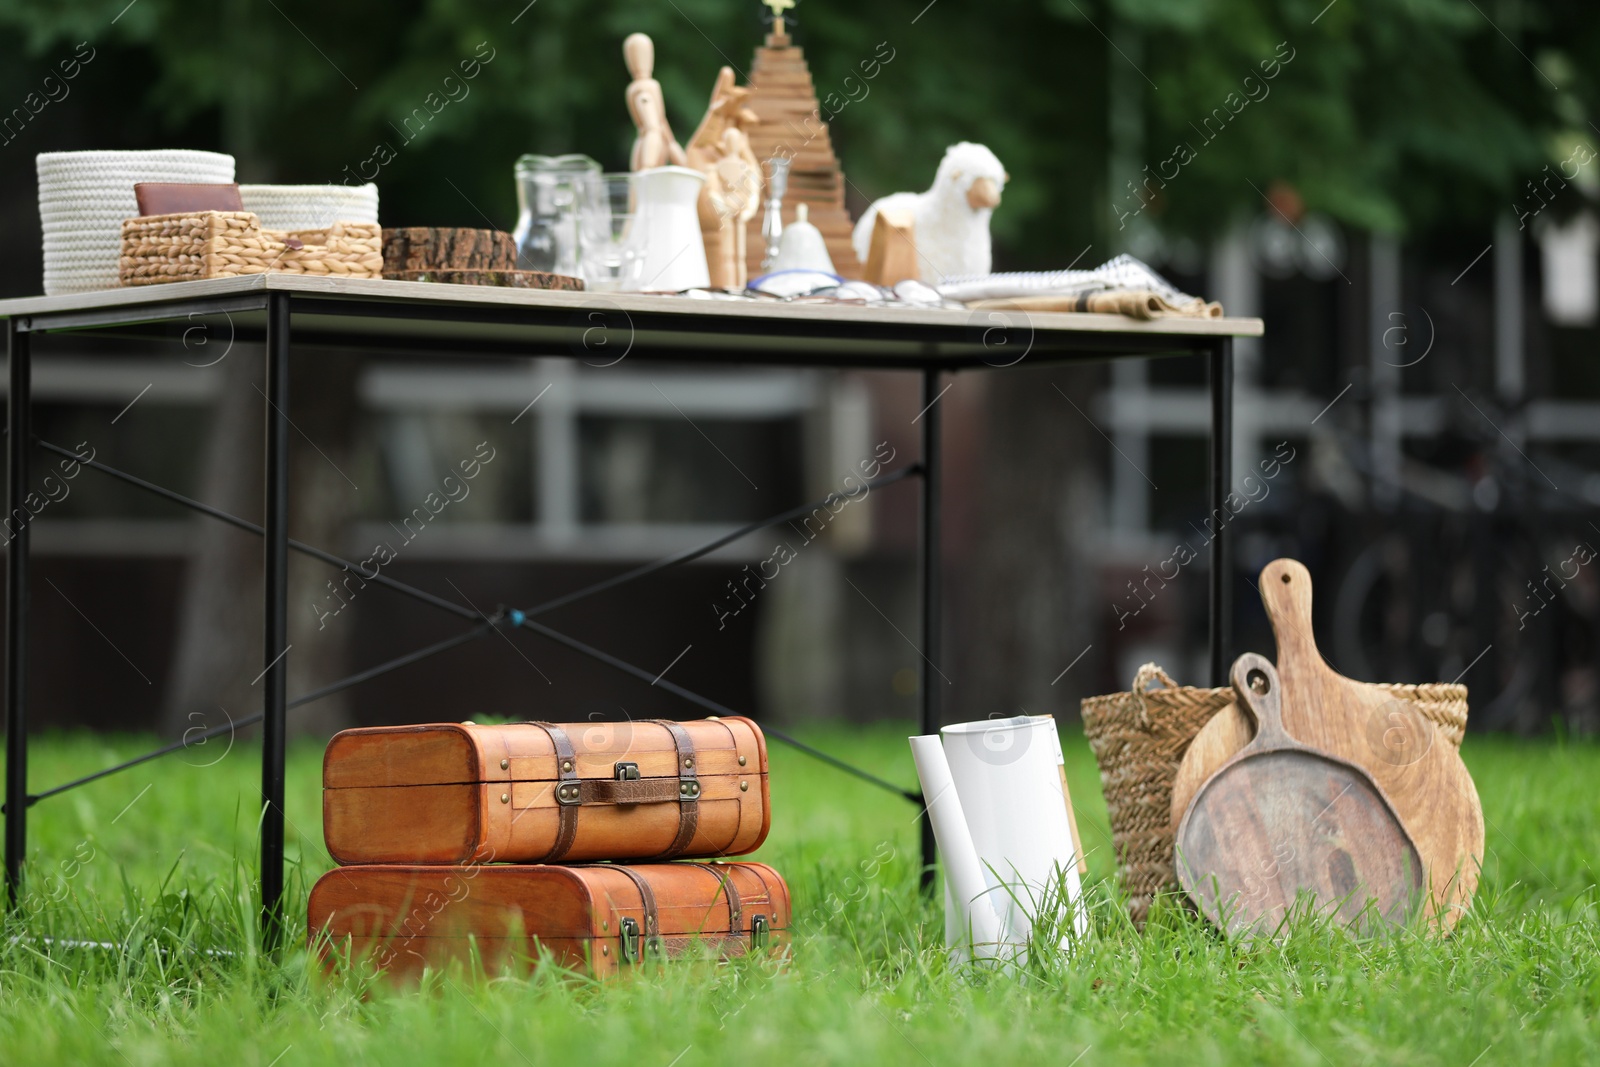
[(739, 175), (731, 197), (655, 145)]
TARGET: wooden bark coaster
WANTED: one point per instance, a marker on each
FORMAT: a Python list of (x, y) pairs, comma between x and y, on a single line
[(447, 248), (505, 279)]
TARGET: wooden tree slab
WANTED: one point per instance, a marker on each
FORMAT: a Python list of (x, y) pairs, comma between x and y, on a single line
[(505, 279), (433, 248)]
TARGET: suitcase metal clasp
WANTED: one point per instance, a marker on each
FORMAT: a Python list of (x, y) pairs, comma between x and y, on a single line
[(626, 772), (758, 931), (631, 942)]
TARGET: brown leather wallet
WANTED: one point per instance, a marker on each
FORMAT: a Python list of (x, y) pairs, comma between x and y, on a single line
[(175, 198)]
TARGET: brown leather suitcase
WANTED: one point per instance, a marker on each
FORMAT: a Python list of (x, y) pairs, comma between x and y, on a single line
[(545, 792), (594, 918)]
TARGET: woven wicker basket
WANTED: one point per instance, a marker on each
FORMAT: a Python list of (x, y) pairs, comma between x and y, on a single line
[(227, 244), (1139, 738)]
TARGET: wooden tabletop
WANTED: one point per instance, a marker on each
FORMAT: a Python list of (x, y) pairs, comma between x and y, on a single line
[(427, 316)]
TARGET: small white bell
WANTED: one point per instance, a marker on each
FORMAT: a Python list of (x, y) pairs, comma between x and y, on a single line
[(802, 246)]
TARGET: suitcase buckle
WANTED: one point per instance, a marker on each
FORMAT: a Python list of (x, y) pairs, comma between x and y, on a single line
[(758, 931), (626, 772), (689, 789), (569, 793), (630, 948)]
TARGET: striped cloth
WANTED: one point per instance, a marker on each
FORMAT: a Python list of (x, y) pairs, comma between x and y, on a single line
[(1122, 272)]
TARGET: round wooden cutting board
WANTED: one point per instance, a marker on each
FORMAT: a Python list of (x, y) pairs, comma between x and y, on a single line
[(1421, 774), (1282, 826)]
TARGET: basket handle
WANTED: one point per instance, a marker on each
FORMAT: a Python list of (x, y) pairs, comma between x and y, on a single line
[(1142, 680), (1152, 672)]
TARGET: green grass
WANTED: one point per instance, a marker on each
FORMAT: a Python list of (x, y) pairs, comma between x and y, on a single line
[(867, 983)]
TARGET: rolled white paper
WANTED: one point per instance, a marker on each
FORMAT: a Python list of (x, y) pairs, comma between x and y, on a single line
[(1008, 775), (955, 928), (979, 923)]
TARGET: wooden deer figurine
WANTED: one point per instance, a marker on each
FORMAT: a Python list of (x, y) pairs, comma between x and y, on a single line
[(731, 197)]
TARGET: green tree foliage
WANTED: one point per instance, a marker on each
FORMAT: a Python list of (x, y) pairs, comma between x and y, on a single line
[(1391, 115)]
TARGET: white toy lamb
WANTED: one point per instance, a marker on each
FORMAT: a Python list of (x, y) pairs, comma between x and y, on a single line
[(951, 218)]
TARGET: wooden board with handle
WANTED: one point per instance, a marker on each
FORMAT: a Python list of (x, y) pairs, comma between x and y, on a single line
[(1224, 734), (1420, 772), (1283, 823)]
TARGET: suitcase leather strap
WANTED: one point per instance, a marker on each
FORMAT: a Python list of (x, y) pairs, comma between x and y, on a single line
[(730, 944), (735, 905), (653, 942), (688, 786), (647, 903), (566, 779), (637, 791), (573, 791)]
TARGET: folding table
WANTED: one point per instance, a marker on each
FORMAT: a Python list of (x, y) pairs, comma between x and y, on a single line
[(282, 310)]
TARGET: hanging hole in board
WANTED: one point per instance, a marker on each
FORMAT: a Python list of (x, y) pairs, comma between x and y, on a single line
[(1257, 681), (1285, 579)]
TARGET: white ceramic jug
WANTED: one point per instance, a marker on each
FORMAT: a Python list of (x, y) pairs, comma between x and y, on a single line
[(672, 254)]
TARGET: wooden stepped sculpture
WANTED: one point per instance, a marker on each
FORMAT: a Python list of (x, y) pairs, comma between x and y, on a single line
[(784, 99)]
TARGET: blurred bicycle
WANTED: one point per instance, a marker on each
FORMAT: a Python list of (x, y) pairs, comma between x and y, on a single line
[(1482, 571)]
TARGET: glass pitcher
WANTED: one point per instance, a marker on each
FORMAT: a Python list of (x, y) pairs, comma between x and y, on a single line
[(550, 190)]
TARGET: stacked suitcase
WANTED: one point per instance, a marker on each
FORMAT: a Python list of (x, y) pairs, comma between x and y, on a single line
[(587, 843)]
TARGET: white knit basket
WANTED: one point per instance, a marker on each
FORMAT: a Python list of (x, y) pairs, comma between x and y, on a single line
[(84, 196), (310, 207)]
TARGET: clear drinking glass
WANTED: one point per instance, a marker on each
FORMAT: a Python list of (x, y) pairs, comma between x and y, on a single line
[(607, 234), (549, 192)]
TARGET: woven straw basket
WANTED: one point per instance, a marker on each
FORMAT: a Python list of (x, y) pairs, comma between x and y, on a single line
[(1139, 739), (227, 244)]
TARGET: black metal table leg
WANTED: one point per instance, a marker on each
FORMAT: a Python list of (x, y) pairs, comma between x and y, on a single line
[(931, 590), (275, 577), (19, 441), (1221, 608)]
